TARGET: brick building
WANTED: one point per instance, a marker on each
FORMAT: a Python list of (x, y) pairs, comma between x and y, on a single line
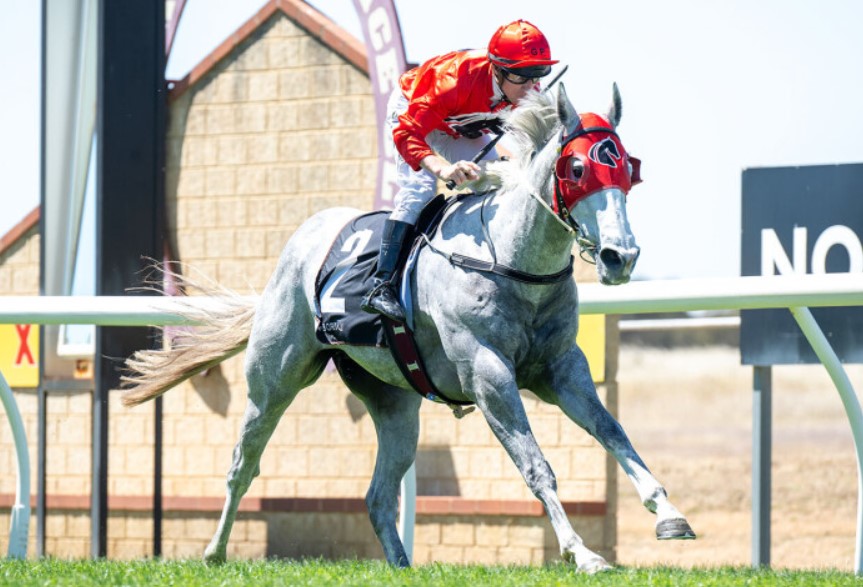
[(275, 125)]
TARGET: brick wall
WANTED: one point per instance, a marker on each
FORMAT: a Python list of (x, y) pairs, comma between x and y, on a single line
[(278, 129), (282, 128), (19, 260)]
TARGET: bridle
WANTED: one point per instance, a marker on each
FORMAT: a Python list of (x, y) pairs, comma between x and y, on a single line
[(560, 204), (586, 247), (569, 191), (560, 211)]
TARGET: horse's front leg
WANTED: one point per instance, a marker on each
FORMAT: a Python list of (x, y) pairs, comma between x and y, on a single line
[(570, 386), (492, 379)]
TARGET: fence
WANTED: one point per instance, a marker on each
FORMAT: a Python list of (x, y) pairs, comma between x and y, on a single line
[(797, 293)]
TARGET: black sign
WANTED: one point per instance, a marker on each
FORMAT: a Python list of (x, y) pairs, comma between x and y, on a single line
[(801, 220)]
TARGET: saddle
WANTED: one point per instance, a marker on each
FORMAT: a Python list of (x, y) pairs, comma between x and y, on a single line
[(346, 275)]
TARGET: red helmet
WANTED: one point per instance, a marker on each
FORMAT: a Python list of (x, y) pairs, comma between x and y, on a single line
[(520, 47)]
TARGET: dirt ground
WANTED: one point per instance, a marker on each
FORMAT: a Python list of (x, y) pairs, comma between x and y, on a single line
[(689, 415)]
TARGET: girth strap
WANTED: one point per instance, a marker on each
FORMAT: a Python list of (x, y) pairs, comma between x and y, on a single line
[(404, 350)]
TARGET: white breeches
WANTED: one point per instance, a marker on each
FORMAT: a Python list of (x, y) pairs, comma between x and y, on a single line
[(417, 188)]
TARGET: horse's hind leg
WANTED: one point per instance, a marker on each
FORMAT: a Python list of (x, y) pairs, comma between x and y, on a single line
[(573, 390), (274, 377), (395, 413)]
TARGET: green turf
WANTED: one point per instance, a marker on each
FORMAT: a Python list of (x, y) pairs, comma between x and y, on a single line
[(369, 573)]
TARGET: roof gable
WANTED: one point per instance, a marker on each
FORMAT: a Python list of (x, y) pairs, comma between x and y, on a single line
[(304, 15), (19, 230)]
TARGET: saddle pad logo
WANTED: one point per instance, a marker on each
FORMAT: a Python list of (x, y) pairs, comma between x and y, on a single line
[(605, 152)]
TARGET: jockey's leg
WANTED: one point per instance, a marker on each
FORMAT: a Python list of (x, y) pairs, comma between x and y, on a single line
[(383, 298), (416, 189)]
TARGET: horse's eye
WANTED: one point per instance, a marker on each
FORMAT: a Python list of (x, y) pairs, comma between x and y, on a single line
[(577, 169)]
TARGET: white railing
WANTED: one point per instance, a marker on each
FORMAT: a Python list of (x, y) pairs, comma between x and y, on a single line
[(659, 324), (797, 293)]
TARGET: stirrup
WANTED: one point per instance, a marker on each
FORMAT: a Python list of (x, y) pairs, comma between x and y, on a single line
[(383, 300)]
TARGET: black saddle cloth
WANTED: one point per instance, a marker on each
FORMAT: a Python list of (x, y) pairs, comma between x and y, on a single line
[(346, 276)]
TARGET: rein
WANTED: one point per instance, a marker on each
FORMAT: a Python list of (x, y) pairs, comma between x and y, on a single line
[(509, 272), (586, 248), (493, 266), (584, 245)]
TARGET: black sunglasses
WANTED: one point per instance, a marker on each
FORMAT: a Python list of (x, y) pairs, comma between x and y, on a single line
[(518, 80)]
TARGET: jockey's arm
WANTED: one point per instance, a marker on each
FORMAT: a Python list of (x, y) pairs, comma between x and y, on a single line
[(459, 172)]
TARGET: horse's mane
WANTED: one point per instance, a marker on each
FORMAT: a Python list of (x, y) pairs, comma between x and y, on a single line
[(530, 127), (533, 123)]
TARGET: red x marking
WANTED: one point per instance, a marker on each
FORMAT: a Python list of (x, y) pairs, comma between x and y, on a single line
[(24, 346)]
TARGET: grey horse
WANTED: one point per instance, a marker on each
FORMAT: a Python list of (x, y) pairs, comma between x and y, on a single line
[(483, 335)]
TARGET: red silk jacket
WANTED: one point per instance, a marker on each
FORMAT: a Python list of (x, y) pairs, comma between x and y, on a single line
[(455, 93)]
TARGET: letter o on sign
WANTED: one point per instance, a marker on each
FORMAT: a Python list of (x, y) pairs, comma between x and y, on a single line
[(837, 235)]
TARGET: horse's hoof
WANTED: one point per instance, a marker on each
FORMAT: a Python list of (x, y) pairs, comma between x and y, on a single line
[(594, 565), (214, 557), (674, 529)]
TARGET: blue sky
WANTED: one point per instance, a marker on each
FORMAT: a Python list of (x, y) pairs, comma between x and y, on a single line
[(709, 88)]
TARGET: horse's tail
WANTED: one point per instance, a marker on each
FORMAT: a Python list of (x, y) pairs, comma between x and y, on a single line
[(222, 330)]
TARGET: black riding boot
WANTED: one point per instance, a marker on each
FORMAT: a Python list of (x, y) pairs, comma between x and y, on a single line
[(383, 298)]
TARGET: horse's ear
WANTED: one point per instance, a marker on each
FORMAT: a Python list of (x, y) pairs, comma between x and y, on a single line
[(615, 111), (566, 112)]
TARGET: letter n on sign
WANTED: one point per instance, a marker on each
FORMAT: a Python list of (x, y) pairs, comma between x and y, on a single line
[(19, 354)]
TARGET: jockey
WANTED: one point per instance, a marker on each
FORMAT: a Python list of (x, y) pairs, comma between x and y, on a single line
[(442, 111)]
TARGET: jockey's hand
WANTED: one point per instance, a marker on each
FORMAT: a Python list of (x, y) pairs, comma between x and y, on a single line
[(460, 172)]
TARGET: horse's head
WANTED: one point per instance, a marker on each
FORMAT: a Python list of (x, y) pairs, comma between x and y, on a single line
[(593, 174), (583, 172)]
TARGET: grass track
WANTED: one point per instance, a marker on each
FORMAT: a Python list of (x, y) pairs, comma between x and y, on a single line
[(372, 573)]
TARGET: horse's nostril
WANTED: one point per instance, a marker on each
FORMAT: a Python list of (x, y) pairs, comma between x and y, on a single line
[(611, 258)]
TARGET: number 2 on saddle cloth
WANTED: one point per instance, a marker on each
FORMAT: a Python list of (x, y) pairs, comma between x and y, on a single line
[(346, 273)]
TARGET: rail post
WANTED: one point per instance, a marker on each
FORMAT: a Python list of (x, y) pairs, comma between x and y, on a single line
[(19, 528)]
